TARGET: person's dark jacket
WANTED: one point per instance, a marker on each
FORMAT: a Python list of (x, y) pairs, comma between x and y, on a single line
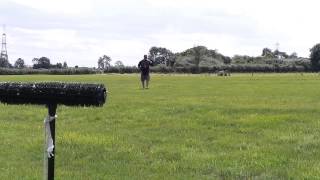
[(144, 66)]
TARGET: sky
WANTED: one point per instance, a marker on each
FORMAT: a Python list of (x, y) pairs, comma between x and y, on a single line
[(81, 31)]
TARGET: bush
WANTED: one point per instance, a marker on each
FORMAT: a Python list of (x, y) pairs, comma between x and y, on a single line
[(161, 68), (122, 70), (69, 71), (315, 57)]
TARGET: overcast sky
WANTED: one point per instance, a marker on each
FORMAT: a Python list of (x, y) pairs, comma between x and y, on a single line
[(80, 31)]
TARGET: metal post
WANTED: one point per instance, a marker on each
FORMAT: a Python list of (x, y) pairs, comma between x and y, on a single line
[(50, 160)]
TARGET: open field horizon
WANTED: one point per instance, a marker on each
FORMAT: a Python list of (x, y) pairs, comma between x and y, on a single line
[(264, 126)]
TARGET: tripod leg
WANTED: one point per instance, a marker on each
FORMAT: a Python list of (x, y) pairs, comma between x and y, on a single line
[(50, 122)]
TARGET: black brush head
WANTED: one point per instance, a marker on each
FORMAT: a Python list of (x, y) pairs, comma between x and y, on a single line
[(45, 93)]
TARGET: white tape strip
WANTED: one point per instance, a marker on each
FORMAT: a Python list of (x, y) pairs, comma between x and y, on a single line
[(49, 140)]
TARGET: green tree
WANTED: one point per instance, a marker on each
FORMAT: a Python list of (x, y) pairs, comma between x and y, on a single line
[(19, 63), (118, 64), (59, 65), (293, 55), (200, 57), (160, 55), (283, 55), (4, 63), (280, 54), (35, 60), (42, 62), (197, 52), (315, 57), (266, 52), (65, 65), (100, 63), (104, 62)]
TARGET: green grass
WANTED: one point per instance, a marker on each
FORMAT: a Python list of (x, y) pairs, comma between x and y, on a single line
[(183, 127)]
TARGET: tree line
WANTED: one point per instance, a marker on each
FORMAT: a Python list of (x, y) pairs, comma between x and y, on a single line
[(38, 63), (198, 59)]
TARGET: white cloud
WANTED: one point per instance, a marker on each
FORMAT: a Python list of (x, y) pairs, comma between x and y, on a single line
[(67, 7), (80, 31), (51, 38), (67, 45)]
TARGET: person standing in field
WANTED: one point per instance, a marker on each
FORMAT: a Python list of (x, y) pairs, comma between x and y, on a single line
[(144, 68)]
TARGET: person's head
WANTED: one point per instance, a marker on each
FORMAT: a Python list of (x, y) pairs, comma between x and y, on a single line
[(145, 57)]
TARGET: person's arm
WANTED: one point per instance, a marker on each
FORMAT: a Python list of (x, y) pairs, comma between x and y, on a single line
[(139, 65)]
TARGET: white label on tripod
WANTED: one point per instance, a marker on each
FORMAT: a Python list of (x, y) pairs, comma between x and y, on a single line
[(49, 140)]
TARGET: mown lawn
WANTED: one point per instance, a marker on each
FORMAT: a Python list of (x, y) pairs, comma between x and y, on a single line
[(265, 126)]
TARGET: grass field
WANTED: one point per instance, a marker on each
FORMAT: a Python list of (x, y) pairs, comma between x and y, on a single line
[(183, 127)]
